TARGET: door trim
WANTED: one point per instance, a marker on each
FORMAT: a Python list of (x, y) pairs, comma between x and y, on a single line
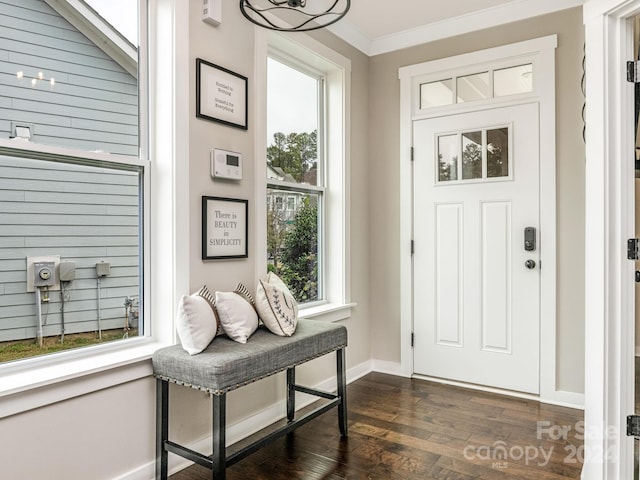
[(609, 287), (542, 51)]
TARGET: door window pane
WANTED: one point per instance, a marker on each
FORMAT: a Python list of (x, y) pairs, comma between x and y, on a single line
[(473, 87), (436, 94), (471, 155), (513, 80), (447, 158), (498, 152)]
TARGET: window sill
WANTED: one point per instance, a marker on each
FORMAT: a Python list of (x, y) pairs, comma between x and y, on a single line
[(328, 312), (47, 381), (28, 388)]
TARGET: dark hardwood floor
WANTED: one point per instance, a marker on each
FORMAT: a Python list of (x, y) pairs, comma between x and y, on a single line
[(403, 428)]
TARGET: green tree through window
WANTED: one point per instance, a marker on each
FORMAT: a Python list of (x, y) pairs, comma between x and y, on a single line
[(292, 215)]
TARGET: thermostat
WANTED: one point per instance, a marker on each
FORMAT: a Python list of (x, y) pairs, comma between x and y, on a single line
[(225, 164)]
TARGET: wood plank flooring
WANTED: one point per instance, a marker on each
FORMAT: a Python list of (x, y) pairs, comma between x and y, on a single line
[(412, 429)]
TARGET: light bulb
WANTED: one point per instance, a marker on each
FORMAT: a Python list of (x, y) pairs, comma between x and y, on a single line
[(40, 75), (52, 82), (33, 82), (20, 74)]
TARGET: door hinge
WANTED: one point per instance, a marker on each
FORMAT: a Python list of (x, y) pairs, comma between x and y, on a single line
[(413, 247), (632, 249), (632, 72), (412, 152), (412, 339), (633, 426)]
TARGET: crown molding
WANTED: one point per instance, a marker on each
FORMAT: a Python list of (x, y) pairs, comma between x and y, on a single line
[(490, 17)]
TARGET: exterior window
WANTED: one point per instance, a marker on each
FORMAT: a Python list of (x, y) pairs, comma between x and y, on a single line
[(295, 176), (73, 170)]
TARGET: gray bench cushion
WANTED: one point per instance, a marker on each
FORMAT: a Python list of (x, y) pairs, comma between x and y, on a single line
[(226, 365)]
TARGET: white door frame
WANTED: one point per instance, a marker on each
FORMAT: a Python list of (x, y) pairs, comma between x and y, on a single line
[(609, 288), (543, 50)]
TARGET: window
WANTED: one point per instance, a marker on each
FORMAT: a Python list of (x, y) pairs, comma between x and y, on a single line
[(295, 180), (501, 82), (476, 155), (305, 216), (74, 175)]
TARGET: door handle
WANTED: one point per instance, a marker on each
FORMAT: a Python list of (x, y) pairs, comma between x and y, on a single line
[(530, 264)]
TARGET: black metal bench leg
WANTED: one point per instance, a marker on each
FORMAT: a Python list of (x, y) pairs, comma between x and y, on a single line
[(291, 393), (219, 436), (162, 428), (342, 391)]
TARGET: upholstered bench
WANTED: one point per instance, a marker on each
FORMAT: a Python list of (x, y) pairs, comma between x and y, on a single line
[(227, 365)]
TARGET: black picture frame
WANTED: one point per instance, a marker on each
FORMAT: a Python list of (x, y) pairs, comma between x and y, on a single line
[(225, 228), (221, 95)]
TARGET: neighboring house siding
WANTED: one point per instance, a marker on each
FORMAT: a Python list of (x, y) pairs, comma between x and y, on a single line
[(83, 214), (94, 102)]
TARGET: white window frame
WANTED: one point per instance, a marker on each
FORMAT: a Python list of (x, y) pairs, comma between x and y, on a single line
[(33, 383), (319, 188), (336, 69)]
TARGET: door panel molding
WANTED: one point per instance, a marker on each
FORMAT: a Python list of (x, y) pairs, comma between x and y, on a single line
[(496, 322), (449, 233)]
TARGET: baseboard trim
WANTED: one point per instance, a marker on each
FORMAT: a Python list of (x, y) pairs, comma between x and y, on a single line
[(390, 368), (560, 398)]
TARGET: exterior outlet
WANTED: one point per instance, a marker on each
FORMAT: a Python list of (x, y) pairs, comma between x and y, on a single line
[(103, 269)]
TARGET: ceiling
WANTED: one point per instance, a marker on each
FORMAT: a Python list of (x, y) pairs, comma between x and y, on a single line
[(375, 18), (380, 26)]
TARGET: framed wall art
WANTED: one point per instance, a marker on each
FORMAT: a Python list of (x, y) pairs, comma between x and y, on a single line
[(221, 95), (225, 228)]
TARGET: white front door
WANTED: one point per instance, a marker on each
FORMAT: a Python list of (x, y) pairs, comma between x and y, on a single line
[(476, 281)]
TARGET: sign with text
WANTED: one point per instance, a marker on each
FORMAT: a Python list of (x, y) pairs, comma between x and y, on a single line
[(221, 95), (224, 228)]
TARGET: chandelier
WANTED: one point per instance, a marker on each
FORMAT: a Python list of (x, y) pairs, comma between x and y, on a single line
[(293, 15)]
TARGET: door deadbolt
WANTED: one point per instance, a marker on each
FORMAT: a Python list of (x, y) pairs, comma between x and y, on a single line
[(530, 264), (529, 239)]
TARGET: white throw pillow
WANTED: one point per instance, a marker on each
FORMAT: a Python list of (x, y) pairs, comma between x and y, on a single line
[(206, 294), (196, 324), (237, 316), (276, 306)]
